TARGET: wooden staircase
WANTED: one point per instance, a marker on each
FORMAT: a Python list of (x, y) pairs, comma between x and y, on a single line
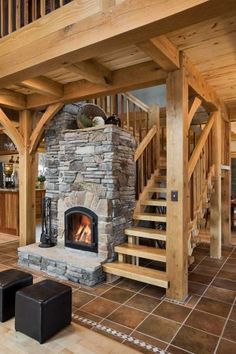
[(133, 255), (144, 257)]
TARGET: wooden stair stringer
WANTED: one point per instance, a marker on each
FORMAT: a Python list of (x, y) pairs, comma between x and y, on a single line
[(146, 194)]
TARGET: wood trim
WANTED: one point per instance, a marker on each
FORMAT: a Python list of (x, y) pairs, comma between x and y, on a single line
[(195, 105), (40, 127), (11, 131), (44, 86), (144, 143), (201, 142), (162, 51)]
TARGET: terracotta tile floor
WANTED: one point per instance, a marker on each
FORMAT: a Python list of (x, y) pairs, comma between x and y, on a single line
[(140, 316)]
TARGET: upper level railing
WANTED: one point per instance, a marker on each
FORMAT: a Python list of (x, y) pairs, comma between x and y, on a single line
[(15, 14)]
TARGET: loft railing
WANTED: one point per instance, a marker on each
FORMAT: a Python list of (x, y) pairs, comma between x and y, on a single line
[(15, 14), (146, 158), (201, 171)]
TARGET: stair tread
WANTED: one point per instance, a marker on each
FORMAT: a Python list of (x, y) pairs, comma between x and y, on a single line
[(154, 202), (155, 254), (146, 275), (146, 232), (150, 216), (157, 189)]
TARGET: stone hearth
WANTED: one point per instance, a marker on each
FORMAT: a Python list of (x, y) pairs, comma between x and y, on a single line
[(93, 168)]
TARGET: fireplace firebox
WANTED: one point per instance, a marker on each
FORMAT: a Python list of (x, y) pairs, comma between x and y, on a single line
[(81, 231)]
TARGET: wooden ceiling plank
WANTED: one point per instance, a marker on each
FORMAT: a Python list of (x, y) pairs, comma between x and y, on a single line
[(162, 51), (92, 71), (99, 33), (11, 99), (149, 74), (43, 85)]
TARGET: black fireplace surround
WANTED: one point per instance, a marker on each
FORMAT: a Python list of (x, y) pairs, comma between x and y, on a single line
[(81, 229)]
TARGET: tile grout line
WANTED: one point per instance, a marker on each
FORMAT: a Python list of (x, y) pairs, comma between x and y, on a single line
[(200, 298), (226, 322)]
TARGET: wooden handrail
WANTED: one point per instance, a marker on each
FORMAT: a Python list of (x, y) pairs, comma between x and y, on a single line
[(201, 142), (145, 142), (136, 101)]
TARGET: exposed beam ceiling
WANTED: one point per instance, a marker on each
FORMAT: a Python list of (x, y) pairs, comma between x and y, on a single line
[(57, 45), (11, 99), (92, 71), (162, 51), (149, 74), (44, 86)]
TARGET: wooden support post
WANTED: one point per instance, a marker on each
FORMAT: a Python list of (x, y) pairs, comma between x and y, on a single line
[(27, 183), (215, 218), (177, 180), (226, 185)]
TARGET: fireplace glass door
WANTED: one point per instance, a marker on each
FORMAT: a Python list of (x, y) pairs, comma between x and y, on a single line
[(81, 229)]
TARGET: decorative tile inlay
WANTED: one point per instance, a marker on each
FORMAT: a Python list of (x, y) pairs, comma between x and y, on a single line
[(119, 334)]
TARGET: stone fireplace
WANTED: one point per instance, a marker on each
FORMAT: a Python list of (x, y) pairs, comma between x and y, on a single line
[(91, 182)]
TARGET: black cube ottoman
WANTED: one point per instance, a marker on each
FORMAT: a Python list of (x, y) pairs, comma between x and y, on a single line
[(43, 309), (11, 280)]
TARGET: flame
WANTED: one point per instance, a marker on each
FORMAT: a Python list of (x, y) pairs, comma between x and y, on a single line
[(84, 233)]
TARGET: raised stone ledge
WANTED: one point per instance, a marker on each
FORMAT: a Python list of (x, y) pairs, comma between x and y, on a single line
[(63, 263)]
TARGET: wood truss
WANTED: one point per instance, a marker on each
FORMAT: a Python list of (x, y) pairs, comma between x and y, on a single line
[(87, 49)]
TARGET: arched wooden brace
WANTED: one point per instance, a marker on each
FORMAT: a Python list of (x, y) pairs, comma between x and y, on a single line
[(37, 133), (11, 131)]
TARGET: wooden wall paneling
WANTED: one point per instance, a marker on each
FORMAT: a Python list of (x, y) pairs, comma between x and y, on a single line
[(215, 209), (177, 158), (226, 184), (26, 183)]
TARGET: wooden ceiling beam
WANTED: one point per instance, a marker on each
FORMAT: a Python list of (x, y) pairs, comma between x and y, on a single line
[(58, 44), (149, 74), (13, 100), (44, 86), (92, 71), (162, 51)]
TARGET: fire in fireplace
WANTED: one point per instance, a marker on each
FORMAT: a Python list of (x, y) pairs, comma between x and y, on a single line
[(81, 229)]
